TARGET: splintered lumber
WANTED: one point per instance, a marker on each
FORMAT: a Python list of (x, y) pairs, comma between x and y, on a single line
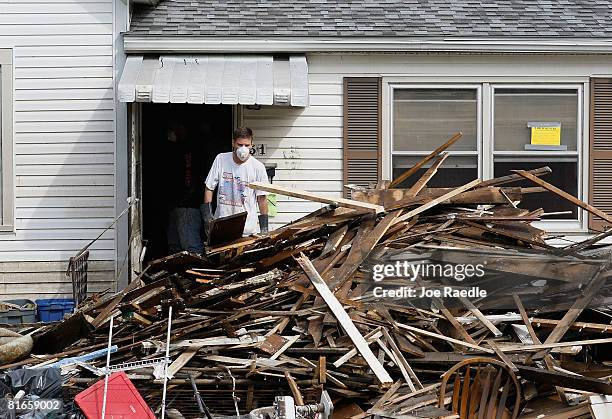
[(565, 380), (420, 184), (514, 178), (295, 390), (296, 193), (360, 250), (436, 201), (251, 321), (579, 305), (400, 198), (425, 160), (344, 320), (591, 209), (442, 337), (536, 347)]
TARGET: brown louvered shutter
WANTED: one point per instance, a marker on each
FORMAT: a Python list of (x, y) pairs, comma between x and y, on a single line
[(362, 131), (600, 181)]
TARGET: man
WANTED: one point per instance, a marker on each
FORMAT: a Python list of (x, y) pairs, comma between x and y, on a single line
[(231, 172), (184, 191)]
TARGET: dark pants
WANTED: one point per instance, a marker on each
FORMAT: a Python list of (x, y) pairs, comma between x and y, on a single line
[(184, 227)]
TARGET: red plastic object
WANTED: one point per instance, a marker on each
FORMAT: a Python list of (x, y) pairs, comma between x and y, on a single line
[(123, 401)]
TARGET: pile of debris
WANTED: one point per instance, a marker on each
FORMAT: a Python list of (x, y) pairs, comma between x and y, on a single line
[(333, 302)]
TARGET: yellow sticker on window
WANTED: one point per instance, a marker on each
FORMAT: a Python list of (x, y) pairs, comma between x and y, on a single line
[(545, 134)]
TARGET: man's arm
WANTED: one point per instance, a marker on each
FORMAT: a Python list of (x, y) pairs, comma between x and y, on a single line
[(211, 182), (208, 195), (262, 203)]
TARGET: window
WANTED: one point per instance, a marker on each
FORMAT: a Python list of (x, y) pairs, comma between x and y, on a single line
[(497, 121), (515, 111), (6, 141), (424, 118)]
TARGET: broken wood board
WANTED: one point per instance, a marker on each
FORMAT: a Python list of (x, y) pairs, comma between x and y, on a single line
[(296, 193)]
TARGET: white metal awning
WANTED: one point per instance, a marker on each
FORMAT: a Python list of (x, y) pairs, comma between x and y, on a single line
[(216, 79)]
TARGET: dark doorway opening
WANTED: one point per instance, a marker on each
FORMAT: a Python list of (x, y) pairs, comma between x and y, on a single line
[(167, 131)]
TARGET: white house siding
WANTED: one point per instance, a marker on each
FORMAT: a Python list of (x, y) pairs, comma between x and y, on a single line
[(64, 144), (306, 143)]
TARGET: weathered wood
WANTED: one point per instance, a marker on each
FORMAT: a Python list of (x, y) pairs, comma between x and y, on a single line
[(442, 337), (514, 178), (405, 175), (296, 193), (437, 201), (565, 380), (420, 184), (501, 355), (565, 195), (361, 249), (344, 320), (295, 390)]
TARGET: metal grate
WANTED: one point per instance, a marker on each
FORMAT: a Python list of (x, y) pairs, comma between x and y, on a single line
[(77, 271)]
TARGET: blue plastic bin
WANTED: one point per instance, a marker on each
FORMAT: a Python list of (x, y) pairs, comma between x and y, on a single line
[(52, 310)]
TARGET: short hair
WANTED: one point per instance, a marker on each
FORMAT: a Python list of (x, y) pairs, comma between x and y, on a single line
[(242, 132)]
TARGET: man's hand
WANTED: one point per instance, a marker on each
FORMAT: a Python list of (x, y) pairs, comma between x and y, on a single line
[(206, 213), (263, 223)]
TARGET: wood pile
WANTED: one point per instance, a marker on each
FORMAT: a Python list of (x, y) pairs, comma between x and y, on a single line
[(294, 312)]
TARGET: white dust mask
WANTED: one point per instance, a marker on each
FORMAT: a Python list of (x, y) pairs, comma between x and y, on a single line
[(243, 153)]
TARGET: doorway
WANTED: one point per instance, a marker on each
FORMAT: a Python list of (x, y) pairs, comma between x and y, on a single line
[(167, 130)]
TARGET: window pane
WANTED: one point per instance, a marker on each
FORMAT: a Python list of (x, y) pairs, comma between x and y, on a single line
[(455, 171), (423, 119), (564, 176), (515, 108)]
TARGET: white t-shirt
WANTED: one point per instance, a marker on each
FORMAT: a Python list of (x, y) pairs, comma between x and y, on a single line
[(234, 195)]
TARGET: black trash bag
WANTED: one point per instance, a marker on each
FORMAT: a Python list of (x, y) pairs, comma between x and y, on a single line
[(45, 383), (4, 390)]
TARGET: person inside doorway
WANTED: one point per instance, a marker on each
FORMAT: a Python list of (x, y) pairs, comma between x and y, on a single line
[(231, 172), (186, 174)]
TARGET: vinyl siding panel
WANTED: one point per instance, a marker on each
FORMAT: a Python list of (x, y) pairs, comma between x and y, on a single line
[(64, 144), (306, 143)]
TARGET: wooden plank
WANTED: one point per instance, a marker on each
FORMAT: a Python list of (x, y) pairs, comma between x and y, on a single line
[(589, 208), (478, 314), (425, 160), (226, 229), (370, 337), (296, 193), (587, 327), (514, 178), (577, 307), (401, 360), (436, 201), (322, 369), (183, 359), (577, 382), (502, 355), (295, 390), (420, 184), (535, 347), (360, 250), (103, 316), (442, 337), (345, 321)]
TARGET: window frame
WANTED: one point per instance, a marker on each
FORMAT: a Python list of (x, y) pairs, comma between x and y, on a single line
[(7, 216), (485, 118), (552, 225), (388, 171)]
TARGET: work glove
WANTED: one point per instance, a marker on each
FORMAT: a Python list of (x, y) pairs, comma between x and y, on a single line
[(263, 223), (207, 216)]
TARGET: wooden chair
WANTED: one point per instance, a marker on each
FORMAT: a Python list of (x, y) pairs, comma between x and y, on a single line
[(482, 389)]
